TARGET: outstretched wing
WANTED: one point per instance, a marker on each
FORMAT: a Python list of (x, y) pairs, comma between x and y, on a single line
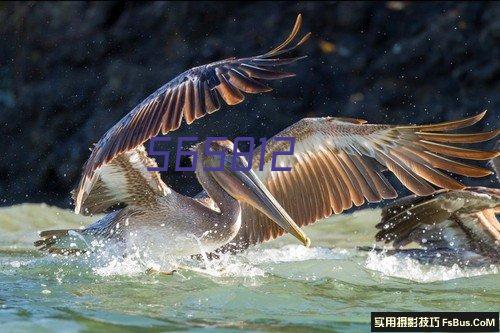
[(191, 95), (461, 219), (338, 163), (125, 180)]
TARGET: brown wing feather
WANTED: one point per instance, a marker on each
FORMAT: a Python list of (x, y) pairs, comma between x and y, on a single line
[(191, 95), (339, 163), (125, 180)]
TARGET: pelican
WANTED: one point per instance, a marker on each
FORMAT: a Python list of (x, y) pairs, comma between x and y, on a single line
[(337, 163), (161, 219), (115, 171), (450, 227)]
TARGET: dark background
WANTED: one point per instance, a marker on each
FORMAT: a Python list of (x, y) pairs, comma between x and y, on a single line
[(69, 71)]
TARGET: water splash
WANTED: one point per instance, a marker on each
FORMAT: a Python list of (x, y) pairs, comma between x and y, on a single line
[(250, 263), (411, 269), (289, 253)]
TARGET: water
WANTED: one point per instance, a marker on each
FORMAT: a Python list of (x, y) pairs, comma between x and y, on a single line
[(280, 286)]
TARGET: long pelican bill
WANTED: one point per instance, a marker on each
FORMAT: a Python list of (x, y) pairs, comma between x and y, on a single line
[(246, 186)]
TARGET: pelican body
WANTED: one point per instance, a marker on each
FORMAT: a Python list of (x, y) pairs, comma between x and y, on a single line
[(160, 220), (447, 228)]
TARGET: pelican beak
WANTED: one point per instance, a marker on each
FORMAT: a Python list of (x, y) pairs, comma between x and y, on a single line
[(246, 186)]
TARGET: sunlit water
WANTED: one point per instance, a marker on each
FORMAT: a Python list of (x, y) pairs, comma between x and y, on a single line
[(280, 286)]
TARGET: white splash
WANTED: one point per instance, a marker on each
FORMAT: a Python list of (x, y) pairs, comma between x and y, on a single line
[(411, 269), (249, 263), (290, 253), (119, 266), (245, 264), (226, 266), (15, 264)]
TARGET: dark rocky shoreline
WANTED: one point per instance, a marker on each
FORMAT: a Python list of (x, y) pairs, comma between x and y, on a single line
[(69, 71)]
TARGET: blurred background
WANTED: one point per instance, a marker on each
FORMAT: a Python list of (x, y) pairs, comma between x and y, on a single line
[(70, 70)]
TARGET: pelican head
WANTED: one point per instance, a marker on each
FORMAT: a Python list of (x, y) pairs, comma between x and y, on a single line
[(244, 185)]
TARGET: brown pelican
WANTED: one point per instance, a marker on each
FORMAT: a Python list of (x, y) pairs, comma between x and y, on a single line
[(337, 163), (161, 220), (116, 169), (450, 227)]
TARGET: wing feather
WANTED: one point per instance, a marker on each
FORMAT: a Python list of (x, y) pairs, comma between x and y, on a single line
[(339, 163), (125, 180), (332, 184)]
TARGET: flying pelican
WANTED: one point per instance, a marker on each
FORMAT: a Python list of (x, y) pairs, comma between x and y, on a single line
[(337, 163), (451, 227)]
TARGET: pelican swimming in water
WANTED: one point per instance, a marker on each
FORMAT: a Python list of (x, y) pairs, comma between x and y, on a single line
[(160, 220), (116, 169), (337, 163), (450, 227)]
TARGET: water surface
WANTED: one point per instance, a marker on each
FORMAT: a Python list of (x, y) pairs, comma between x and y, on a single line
[(278, 286)]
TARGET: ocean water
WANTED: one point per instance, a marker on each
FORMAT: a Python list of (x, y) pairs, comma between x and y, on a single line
[(278, 286)]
